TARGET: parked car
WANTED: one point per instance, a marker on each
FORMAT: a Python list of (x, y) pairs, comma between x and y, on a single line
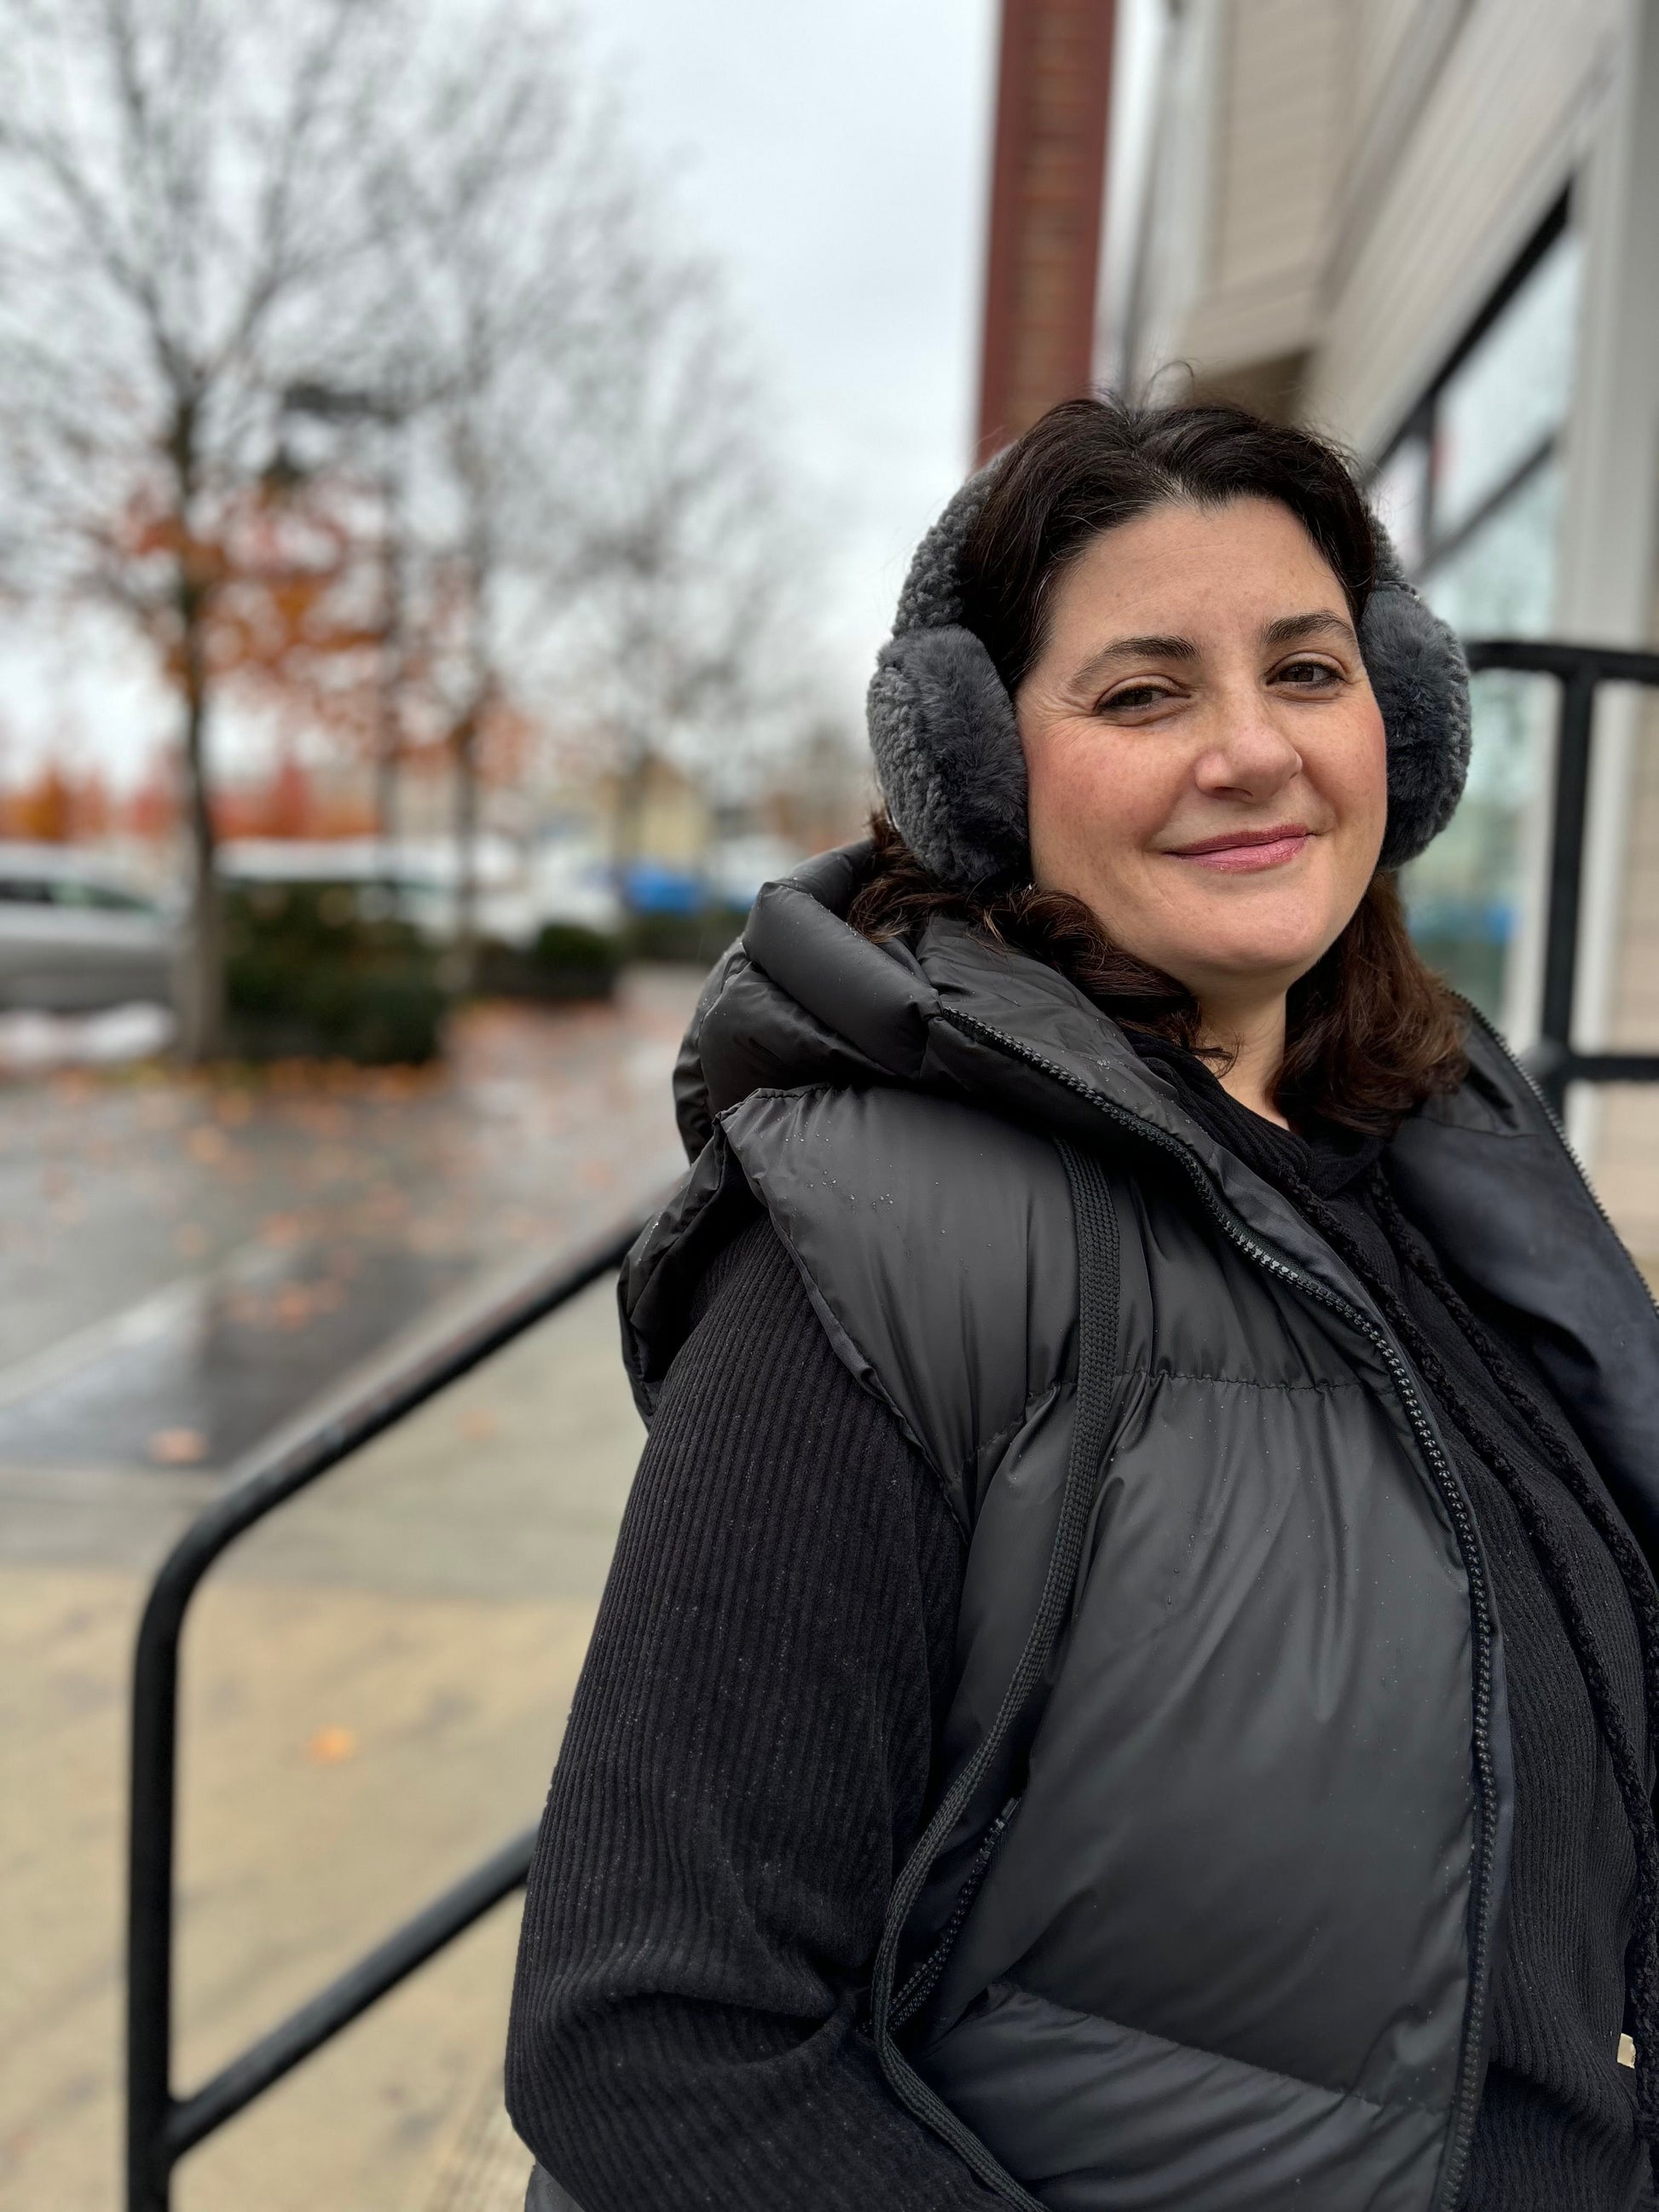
[(77, 933), (518, 892)]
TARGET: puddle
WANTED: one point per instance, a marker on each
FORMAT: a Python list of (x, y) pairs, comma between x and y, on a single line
[(199, 1374)]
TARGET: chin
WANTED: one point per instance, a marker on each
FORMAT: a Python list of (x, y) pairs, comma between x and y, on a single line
[(1238, 942), (1278, 958)]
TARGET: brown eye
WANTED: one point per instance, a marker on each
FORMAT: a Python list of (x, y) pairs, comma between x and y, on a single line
[(1133, 698), (1310, 675)]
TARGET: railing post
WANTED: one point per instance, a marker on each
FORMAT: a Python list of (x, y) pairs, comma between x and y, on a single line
[(1573, 749), (152, 1799), (160, 2127)]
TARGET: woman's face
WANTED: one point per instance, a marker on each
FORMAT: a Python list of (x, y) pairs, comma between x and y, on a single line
[(1208, 770)]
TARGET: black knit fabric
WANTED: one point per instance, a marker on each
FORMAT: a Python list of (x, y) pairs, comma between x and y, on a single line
[(749, 1751), (745, 1767), (1557, 2129)]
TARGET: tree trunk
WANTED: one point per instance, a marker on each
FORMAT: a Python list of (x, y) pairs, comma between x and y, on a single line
[(627, 822), (466, 849), (389, 735), (387, 763), (202, 977)]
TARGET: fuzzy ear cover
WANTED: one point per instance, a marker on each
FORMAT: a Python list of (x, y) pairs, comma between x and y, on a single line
[(952, 772), (1421, 681), (948, 753)]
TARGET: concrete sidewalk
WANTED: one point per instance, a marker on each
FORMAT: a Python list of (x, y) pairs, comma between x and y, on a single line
[(375, 1684)]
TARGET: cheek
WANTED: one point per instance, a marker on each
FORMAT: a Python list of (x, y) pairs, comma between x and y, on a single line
[(1359, 777), (1091, 792)]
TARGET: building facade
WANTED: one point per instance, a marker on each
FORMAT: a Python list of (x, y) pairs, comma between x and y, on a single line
[(1430, 227)]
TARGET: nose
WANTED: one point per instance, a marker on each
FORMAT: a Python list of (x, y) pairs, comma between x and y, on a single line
[(1251, 755)]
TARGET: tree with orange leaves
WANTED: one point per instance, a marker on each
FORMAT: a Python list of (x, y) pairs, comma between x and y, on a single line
[(207, 209), (229, 232), (290, 606), (184, 208)]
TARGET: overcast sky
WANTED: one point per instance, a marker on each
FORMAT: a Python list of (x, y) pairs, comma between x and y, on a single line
[(835, 162)]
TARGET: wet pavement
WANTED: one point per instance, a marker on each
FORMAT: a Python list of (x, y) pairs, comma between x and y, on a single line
[(374, 1683), (186, 1263), (376, 1678)]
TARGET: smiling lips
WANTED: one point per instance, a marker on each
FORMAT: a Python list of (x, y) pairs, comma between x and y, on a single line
[(1244, 852)]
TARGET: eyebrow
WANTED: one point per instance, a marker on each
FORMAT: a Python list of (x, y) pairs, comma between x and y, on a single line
[(1291, 629), (1286, 629)]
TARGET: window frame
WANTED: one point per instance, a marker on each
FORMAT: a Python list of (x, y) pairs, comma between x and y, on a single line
[(1421, 421)]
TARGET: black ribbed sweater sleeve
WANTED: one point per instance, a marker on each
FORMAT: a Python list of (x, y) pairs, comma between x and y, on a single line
[(746, 1763)]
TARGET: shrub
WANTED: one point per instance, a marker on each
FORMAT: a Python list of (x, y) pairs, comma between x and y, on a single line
[(566, 962), (692, 939), (317, 971)]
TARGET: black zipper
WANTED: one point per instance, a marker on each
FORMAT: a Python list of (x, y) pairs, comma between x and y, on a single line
[(1455, 2164), (909, 2001)]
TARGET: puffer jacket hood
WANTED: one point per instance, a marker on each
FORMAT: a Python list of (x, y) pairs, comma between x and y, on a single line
[(1203, 1916)]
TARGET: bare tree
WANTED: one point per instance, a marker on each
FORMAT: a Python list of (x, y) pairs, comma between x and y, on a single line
[(181, 211), (218, 222), (531, 286), (694, 634)]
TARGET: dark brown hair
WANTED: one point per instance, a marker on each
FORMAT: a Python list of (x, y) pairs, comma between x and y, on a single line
[(1371, 1032)]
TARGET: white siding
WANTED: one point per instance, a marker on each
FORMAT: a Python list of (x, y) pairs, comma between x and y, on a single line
[(1487, 151), (1280, 95), (1279, 135), (1382, 29)]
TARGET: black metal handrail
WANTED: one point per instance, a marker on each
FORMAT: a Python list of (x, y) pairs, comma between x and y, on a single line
[(1555, 1061), (161, 2126)]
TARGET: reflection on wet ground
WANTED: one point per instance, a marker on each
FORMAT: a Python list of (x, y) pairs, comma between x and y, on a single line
[(376, 1676), (185, 1263), (199, 1375)]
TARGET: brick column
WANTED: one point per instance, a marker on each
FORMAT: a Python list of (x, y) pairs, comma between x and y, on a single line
[(1047, 190)]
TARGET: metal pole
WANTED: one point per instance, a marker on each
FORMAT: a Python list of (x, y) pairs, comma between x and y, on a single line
[(149, 1903), (1572, 750), (316, 2022), (150, 2151)]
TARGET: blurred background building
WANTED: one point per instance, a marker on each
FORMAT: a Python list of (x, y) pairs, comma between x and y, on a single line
[(1430, 227)]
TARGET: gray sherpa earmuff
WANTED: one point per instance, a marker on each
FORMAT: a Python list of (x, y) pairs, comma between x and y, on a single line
[(948, 754)]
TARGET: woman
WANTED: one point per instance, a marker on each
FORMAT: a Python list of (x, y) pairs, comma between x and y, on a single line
[(1126, 1678)]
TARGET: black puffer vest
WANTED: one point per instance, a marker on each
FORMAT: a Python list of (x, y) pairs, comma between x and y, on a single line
[(1204, 1916)]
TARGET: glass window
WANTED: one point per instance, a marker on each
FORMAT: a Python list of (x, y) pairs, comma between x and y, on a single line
[(1399, 493), (1471, 495), (1500, 579), (1507, 398), (1464, 896)]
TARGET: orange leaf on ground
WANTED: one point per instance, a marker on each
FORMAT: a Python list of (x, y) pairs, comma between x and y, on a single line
[(178, 1447)]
